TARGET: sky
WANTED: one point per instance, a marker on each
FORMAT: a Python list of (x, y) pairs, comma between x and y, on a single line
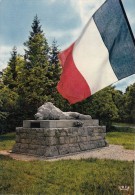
[(62, 20)]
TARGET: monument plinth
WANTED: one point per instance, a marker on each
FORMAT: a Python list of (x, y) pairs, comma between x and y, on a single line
[(52, 138)]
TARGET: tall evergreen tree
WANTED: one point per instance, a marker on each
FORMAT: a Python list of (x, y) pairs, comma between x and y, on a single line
[(36, 53), (54, 69), (34, 82), (54, 51), (10, 73), (54, 72)]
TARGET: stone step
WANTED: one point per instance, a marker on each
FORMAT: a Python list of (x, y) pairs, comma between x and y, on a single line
[(59, 123)]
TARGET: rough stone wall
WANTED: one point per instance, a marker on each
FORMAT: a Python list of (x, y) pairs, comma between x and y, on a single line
[(51, 142)]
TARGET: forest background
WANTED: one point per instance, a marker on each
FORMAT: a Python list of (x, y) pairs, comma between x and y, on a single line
[(30, 80)]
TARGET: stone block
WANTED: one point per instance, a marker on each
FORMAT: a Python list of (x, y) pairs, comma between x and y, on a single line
[(31, 152), (40, 130), (51, 151), (75, 131), (41, 152), (17, 139), (16, 147), (24, 151), (74, 148), (49, 132), (28, 130), (61, 132), (39, 134), (23, 141), (24, 146), (91, 146), (55, 138), (100, 129), (27, 140), (82, 138), (23, 135), (64, 149), (33, 147), (57, 123), (35, 142), (83, 146), (95, 138), (90, 131), (18, 129), (101, 143), (61, 140), (66, 139), (42, 142), (52, 132), (82, 131), (72, 139), (52, 141)]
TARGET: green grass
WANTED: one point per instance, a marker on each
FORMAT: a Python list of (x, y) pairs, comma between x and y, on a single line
[(7, 141), (92, 176), (89, 176), (122, 138), (124, 124), (123, 127)]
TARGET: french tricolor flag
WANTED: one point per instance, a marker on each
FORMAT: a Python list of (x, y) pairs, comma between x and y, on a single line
[(103, 54)]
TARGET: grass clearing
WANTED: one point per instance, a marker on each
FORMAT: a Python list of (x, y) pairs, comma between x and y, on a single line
[(89, 176), (122, 129), (124, 124), (7, 141), (122, 138)]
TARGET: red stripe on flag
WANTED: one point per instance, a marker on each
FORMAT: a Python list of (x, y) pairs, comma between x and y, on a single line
[(72, 85)]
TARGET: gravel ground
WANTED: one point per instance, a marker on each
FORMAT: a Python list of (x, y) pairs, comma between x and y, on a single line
[(115, 152)]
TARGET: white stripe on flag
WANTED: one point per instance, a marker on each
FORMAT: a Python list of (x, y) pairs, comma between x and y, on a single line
[(91, 58)]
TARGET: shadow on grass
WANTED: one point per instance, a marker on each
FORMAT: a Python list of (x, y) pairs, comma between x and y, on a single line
[(3, 157), (122, 129), (7, 137)]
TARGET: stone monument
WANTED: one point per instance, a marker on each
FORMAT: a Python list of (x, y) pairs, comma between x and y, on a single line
[(55, 133)]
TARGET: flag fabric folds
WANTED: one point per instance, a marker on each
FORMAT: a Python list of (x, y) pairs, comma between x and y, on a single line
[(103, 54)]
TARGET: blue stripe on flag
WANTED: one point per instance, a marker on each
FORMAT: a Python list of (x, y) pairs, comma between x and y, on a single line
[(115, 31)]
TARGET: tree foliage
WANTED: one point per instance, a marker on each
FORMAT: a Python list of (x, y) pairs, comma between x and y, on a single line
[(10, 74), (30, 80), (8, 102), (34, 84), (130, 103), (100, 106)]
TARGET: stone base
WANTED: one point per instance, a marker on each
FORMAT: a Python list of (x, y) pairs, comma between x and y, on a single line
[(53, 142), (58, 123)]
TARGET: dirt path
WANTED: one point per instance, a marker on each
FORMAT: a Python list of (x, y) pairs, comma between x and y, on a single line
[(115, 152)]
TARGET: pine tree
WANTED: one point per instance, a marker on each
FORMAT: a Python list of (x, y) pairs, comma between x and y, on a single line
[(36, 27), (34, 87), (10, 73), (36, 53), (54, 69), (54, 51), (54, 72)]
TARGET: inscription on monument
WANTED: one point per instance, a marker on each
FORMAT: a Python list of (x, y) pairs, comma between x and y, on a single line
[(35, 125)]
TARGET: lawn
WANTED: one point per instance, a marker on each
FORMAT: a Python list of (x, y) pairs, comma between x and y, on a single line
[(122, 138), (124, 124), (7, 141), (92, 176)]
